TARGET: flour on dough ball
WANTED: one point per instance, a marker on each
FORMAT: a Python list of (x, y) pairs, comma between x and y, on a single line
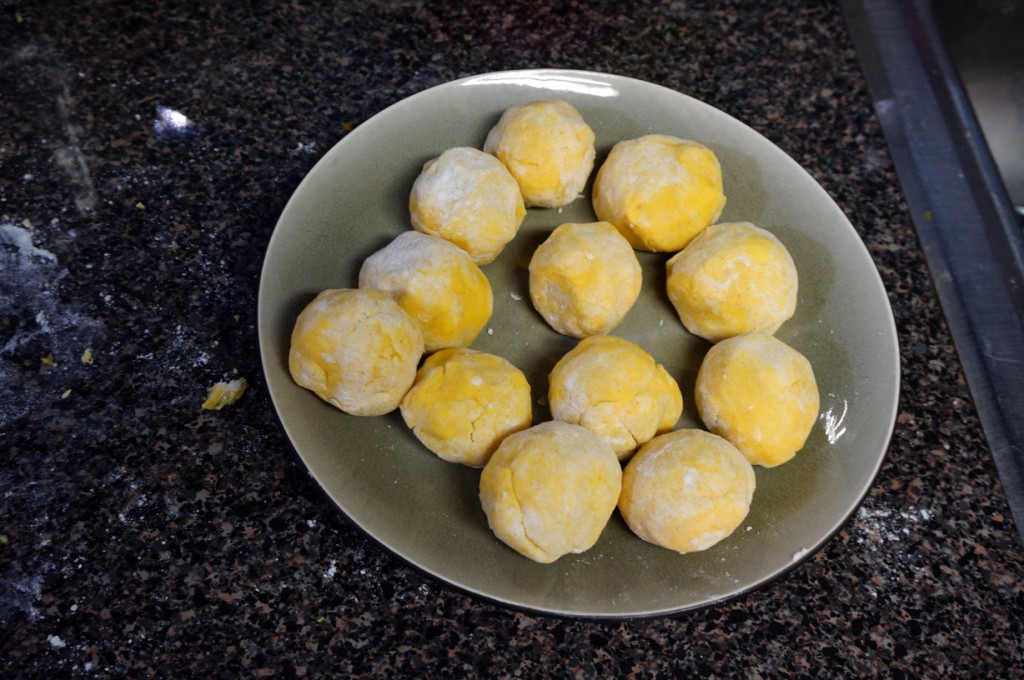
[(659, 191), (548, 148), (614, 388), (584, 278), (468, 197), (733, 278), (437, 283), (356, 349), (463, 403), (686, 490), (550, 490), (760, 394)]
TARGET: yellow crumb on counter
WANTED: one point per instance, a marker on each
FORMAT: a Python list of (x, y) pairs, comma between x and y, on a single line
[(223, 394)]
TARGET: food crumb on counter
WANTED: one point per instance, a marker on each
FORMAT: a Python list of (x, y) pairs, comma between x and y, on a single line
[(223, 394)]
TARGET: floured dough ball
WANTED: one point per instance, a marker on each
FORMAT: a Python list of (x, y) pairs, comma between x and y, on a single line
[(760, 394), (548, 148), (659, 191), (732, 279), (464, 402), (436, 283), (356, 349), (467, 197), (686, 490), (615, 389), (550, 490), (584, 278)]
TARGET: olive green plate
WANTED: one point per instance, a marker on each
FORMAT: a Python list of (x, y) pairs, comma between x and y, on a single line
[(426, 511)]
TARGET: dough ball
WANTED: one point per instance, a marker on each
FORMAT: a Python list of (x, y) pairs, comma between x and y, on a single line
[(467, 197), (436, 283), (356, 349), (760, 394), (659, 191), (464, 402), (615, 389), (732, 279), (584, 278), (550, 490), (686, 490), (548, 148)]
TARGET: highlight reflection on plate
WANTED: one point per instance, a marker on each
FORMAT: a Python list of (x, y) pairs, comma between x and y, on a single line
[(426, 511)]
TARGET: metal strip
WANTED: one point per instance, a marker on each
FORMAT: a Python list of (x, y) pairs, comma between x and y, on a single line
[(964, 219)]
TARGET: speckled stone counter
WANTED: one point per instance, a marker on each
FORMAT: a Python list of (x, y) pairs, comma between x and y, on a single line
[(142, 536)]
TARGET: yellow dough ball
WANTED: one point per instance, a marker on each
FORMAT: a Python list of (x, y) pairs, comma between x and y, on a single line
[(686, 490), (584, 278), (760, 394), (356, 349), (615, 389), (436, 283), (467, 197), (548, 148), (550, 490), (732, 279), (464, 402), (659, 191)]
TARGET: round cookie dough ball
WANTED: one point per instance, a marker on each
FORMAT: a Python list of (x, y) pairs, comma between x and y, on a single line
[(732, 279), (615, 389), (659, 191), (467, 197), (464, 402), (436, 283), (356, 349), (548, 148), (550, 490), (686, 490), (584, 278), (760, 394)]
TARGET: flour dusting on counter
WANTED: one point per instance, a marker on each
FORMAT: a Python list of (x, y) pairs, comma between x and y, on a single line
[(44, 335)]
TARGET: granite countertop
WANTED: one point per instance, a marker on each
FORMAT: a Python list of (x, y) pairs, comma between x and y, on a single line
[(143, 536)]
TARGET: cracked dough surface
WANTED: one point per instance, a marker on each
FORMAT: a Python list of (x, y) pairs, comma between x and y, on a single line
[(584, 278), (733, 278), (464, 402), (436, 283), (356, 349), (659, 191), (469, 198), (548, 148), (760, 394), (686, 490), (614, 388), (549, 491)]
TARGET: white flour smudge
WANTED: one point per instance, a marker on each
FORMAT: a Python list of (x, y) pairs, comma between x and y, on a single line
[(20, 595), (39, 324)]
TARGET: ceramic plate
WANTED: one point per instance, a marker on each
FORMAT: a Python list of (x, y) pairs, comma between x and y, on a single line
[(426, 511)]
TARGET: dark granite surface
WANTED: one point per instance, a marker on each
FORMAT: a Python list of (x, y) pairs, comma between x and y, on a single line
[(141, 536)]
